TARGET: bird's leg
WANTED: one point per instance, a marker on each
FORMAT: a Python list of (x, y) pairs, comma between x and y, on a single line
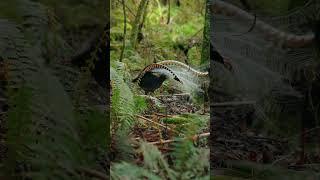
[(156, 119), (160, 133), (204, 104)]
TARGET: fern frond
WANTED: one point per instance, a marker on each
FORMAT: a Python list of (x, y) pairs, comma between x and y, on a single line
[(155, 166), (122, 107)]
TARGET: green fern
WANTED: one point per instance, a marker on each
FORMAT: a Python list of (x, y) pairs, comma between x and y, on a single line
[(122, 107), (188, 124), (155, 166), (124, 104)]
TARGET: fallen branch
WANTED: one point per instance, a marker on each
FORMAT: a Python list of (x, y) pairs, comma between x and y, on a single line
[(160, 115), (164, 115), (170, 95), (149, 120), (193, 138), (153, 99)]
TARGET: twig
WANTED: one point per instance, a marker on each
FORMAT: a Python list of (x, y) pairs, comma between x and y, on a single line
[(164, 115), (129, 10), (149, 97), (149, 120), (195, 34), (92, 172), (159, 115), (169, 9), (182, 94), (232, 103), (194, 138)]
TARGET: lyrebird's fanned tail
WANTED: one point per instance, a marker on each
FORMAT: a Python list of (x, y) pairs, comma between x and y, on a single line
[(180, 64), (153, 67)]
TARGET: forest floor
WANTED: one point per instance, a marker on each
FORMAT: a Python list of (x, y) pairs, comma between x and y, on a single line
[(156, 127)]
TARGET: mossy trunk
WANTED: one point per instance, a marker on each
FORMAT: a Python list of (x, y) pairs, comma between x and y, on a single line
[(136, 26)]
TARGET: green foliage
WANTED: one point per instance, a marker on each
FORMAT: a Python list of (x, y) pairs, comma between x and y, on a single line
[(185, 166), (159, 41), (194, 55), (130, 171), (122, 107), (188, 123), (154, 160), (191, 162), (140, 103)]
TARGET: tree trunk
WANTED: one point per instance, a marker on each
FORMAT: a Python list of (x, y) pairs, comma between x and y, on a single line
[(137, 22)]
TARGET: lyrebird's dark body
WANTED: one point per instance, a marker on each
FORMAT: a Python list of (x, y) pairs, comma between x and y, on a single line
[(151, 81)]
